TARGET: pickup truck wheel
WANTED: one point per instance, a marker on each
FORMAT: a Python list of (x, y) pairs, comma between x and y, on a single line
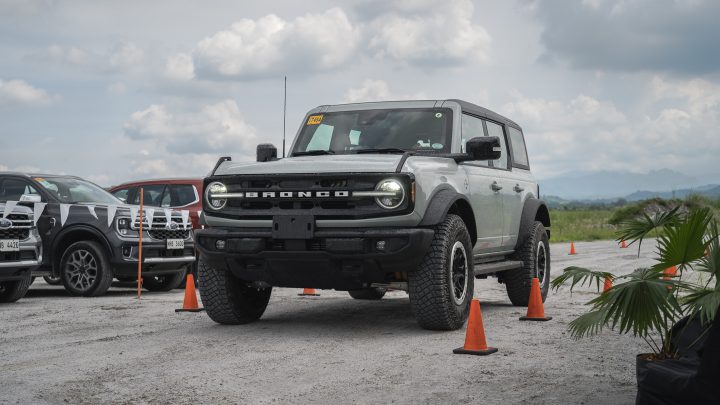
[(371, 293), (52, 280), (85, 270), (166, 282), (11, 291), (442, 287), (535, 254), (229, 300)]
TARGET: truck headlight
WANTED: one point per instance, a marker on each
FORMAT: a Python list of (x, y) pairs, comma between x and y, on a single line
[(213, 190), (124, 227), (393, 194)]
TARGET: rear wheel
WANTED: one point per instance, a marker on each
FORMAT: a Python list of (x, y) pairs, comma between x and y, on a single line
[(166, 282), (85, 270), (370, 293), (442, 287), (228, 299), (52, 280), (11, 291), (535, 255)]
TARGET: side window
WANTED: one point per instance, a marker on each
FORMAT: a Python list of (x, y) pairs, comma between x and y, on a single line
[(121, 194), (472, 127), (497, 130), (13, 189), (184, 194), (518, 147), (152, 195)]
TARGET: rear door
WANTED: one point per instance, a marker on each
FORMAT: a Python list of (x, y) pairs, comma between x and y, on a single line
[(485, 202)]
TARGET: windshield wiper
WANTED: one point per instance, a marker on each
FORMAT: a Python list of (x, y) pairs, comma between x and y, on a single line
[(314, 152), (380, 150)]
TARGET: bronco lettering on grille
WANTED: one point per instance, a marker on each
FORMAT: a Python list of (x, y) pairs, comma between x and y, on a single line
[(293, 194)]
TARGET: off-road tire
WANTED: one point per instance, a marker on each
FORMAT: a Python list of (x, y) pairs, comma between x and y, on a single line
[(165, 282), (431, 289), (52, 280), (229, 300), (11, 291), (370, 293), (103, 274), (518, 281)]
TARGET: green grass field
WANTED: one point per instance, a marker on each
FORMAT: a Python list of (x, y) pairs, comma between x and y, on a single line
[(581, 225)]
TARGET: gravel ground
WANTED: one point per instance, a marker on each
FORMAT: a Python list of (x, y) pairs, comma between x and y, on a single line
[(329, 349)]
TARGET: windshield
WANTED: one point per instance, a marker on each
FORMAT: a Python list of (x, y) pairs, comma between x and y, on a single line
[(74, 191), (376, 131)]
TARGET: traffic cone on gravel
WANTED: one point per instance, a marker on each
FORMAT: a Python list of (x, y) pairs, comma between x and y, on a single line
[(309, 292), (536, 311), (623, 245), (572, 248), (669, 273), (608, 284), (475, 335), (190, 303)]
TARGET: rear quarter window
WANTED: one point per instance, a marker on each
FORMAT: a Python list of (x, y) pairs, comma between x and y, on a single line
[(184, 194), (519, 150)]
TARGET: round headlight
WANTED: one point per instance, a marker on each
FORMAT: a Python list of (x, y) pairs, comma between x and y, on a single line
[(393, 194), (215, 189)]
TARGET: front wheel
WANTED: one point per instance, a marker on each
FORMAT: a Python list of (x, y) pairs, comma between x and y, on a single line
[(11, 291), (85, 270), (228, 299), (52, 280), (442, 287), (165, 282), (534, 252)]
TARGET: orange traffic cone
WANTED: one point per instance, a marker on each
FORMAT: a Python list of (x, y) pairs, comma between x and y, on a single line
[(190, 303), (475, 335), (608, 284), (572, 248), (309, 292), (669, 273), (536, 311), (623, 245)]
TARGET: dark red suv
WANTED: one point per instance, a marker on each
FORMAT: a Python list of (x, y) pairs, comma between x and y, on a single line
[(178, 194)]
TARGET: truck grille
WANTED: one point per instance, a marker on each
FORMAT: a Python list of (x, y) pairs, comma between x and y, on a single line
[(169, 234), (330, 206), (161, 231), (20, 229)]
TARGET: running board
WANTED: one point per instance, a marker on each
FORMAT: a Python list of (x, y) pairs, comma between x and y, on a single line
[(495, 267)]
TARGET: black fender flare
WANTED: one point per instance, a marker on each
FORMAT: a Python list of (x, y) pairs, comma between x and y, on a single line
[(532, 209), (440, 204), (77, 228)]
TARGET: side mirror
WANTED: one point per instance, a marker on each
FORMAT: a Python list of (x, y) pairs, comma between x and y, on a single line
[(483, 148), (30, 198), (266, 152)]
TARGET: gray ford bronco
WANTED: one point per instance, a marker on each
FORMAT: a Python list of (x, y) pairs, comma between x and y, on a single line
[(421, 196), (20, 251)]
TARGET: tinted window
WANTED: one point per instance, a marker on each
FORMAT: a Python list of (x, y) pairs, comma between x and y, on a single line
[(518, 147), (121, 194), (153, 195), (71, 190), (13, 189), (497, 130), (472, 127), (184, 194)]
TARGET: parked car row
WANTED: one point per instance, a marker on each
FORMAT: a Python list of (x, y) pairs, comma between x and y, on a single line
[(72, 232)]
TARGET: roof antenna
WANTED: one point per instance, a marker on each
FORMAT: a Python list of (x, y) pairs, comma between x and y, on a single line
[(284, 114)]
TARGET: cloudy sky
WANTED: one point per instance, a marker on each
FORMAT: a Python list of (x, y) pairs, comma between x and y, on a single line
[(114, 91)]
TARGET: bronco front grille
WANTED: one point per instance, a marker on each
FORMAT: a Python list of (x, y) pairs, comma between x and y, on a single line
[(20, 228), (326, 196)]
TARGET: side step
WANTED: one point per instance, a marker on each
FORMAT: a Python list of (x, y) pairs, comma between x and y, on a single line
[(495, 267)]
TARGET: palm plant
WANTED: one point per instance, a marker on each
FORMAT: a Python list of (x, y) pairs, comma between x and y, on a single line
[(647, 302)]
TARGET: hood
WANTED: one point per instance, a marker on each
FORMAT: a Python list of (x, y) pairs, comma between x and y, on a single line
[(363, 163)]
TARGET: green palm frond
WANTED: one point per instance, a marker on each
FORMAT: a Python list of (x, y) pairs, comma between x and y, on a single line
[(580, 276), (588, 324), (711, 262), (704, 302), (637, 229), (642, 304), (683, 242)]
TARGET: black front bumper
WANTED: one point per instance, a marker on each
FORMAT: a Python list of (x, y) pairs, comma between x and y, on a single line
[(157, 259), (9, 273), (342, 259)]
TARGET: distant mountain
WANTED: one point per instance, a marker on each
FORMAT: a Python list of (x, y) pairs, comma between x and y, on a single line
[(611, 185), (712, 190)]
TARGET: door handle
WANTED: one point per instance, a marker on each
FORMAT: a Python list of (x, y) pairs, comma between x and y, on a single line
[(518, 189), (495, 186)]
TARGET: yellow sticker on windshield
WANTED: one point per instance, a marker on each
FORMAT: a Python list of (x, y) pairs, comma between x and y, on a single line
[(39, 179), (314, 119)]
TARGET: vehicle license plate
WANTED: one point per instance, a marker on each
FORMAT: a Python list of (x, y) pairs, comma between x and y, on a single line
[(175, 244), (9, 245)]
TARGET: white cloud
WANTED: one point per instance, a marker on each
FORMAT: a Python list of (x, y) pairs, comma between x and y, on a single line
[(180, 67), (376, 90), (215, 128), (582, 111), (117, 88), (67, 54), (438, 34), (271, 45), (21, 92), (127, 57)]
